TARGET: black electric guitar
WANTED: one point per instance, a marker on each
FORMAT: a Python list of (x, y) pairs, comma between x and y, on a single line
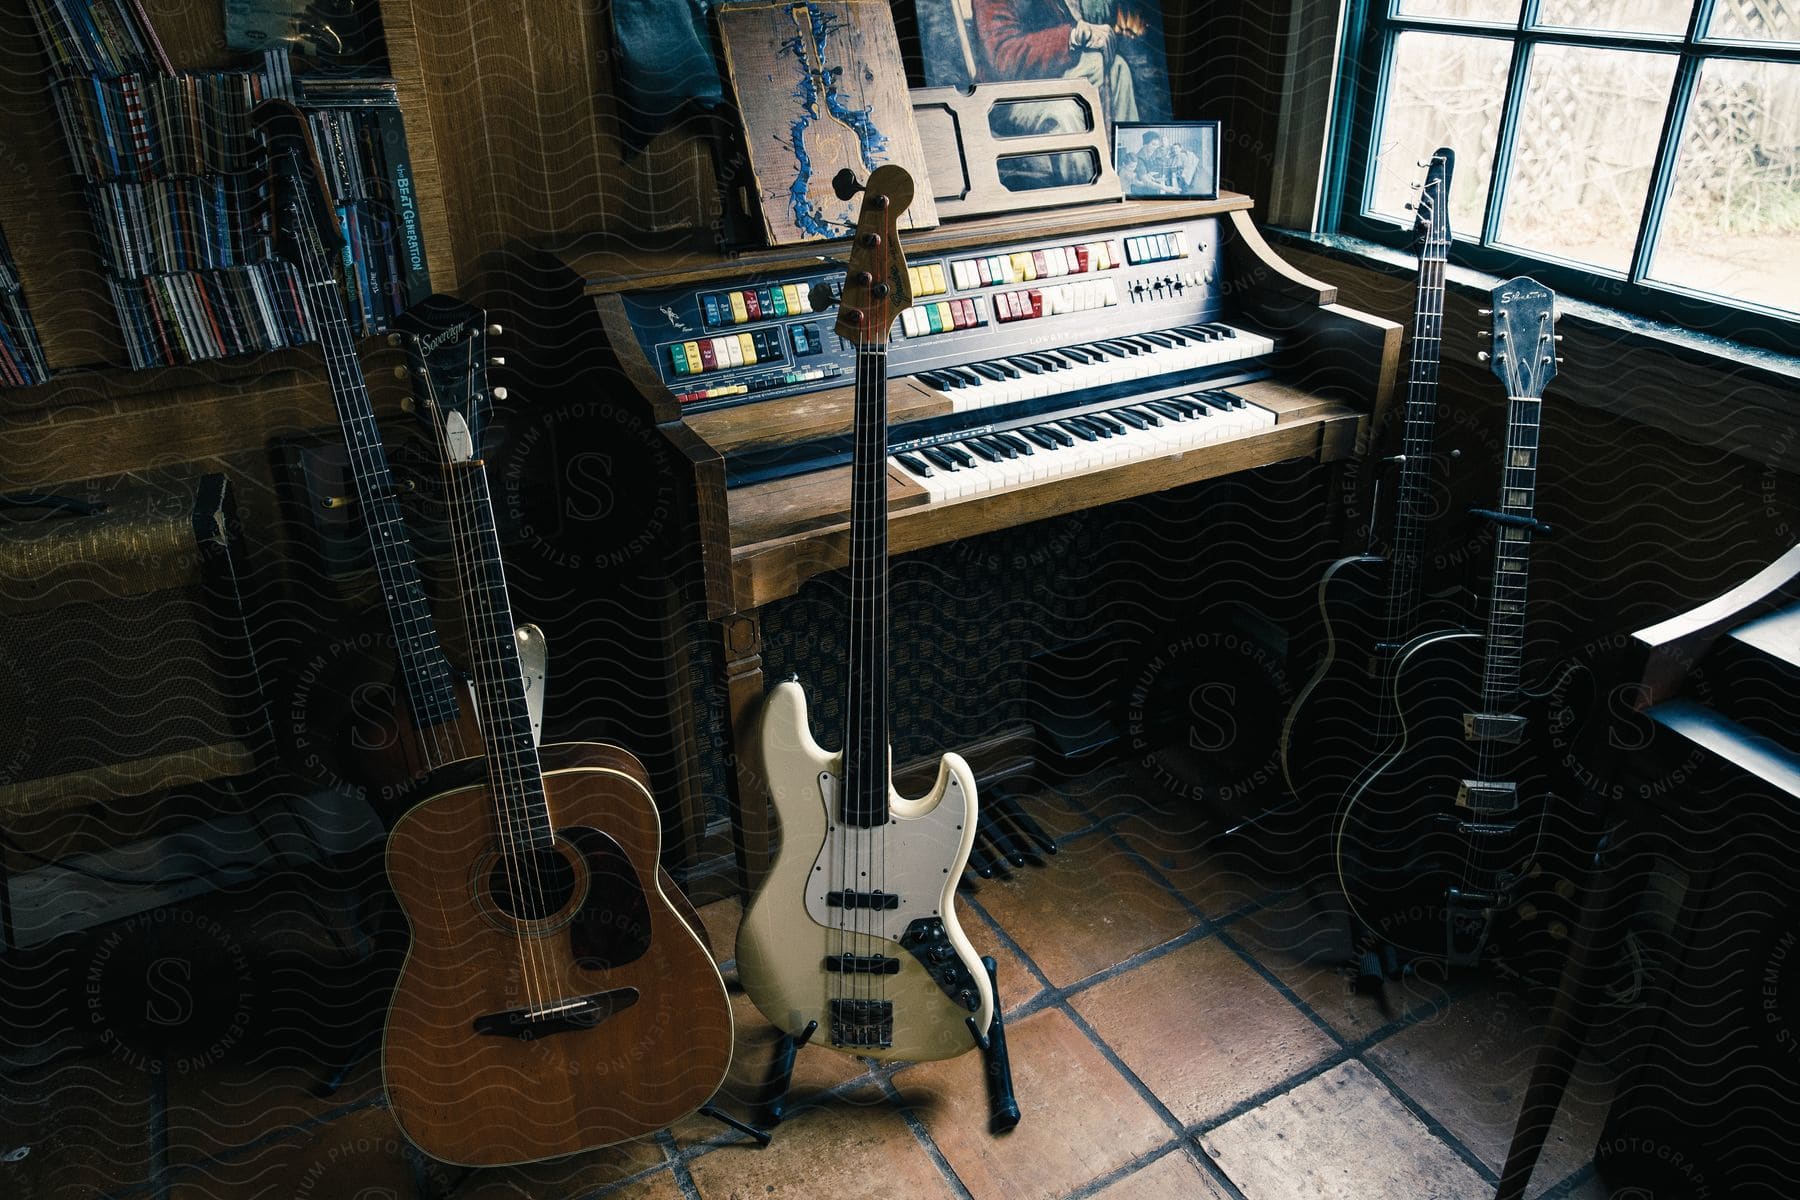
[(554, 998), (1370, 605), (1434, 838)]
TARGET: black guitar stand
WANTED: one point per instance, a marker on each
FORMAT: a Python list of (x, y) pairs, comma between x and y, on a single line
[(1003, 1105), (1007, 837)]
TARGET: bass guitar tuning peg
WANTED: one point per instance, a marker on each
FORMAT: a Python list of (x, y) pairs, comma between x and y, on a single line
[(494, 331), (496, 360), (499, 393)]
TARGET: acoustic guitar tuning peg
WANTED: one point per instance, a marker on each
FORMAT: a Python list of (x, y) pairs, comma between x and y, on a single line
[(1482, 356), (499, 393), (334, 501), (1556, 337), (1486, 312), (402, 373), (496, 360), (1424, 162), (494, 331), (407, 405), (1484, 333), (393, 339)]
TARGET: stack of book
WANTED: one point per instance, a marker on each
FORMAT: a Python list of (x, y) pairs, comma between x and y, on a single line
[(21, 358), (176, 186)]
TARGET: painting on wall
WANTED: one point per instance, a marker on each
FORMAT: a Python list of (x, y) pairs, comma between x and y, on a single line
[(1115, 44)]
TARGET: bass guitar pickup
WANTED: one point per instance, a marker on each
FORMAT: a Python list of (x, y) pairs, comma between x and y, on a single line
[(862, 900), (1493, 727), (862, 964), (1487, 796)]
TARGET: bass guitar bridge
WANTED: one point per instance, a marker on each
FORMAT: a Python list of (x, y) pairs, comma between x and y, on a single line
[(867, 1023)]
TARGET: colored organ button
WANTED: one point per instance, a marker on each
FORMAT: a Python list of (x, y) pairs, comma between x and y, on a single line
[(739, 313)]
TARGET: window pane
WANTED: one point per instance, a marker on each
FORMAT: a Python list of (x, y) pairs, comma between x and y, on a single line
[(1443, 90), (1586, 146), (1756, 20), (1732, 224), (1462, 10), (1619, 16)]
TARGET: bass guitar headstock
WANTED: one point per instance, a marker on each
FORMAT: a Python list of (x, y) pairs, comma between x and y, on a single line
[(1431, 213), (876, 289), (1524, 335), (445, 340), (302, 218)]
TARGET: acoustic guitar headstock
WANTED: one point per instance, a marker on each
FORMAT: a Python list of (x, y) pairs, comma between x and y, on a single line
[(1524, 336)]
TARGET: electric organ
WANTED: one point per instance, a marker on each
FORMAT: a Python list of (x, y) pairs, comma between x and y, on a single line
[(1051, 362)]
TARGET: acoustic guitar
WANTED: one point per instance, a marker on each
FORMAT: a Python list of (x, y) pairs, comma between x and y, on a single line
[(853, 933), (1371, 604), (1435, 838), (553, 999)]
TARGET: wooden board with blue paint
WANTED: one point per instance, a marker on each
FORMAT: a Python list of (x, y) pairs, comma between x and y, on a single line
[(820, 86)]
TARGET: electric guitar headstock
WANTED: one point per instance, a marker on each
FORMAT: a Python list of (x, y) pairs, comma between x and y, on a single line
[(302, 218), (876, 289), (1431, 213), (445, 340), (1524, 335)]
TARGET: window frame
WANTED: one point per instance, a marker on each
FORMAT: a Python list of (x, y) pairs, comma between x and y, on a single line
[(1371, 31)]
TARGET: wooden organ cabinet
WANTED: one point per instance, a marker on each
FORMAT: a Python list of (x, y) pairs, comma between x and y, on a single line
[(1133, 347)]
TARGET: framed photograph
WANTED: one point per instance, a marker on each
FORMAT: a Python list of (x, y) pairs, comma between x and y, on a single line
[(1174, 160)]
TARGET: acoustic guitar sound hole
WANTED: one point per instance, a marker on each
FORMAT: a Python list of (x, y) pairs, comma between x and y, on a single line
[(532, 884)]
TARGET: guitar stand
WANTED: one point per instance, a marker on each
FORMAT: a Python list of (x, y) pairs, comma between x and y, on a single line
[(1003, 1105), (1511, 519), (1006, 837)]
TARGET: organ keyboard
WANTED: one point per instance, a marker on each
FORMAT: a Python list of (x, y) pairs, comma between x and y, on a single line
[(1115, 321), (1052, 361)]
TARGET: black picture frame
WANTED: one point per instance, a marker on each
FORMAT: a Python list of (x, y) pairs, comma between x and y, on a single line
[(1173, 180)]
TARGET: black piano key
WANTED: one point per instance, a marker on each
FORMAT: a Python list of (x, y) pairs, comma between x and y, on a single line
[(1212, 401), (990, 372), (1231, 398), (938, 457), (1130, 418), (1004, 367), (1042, 438), (1080, 354), (962, 457), (1017, 443), (1059, 436), (963, 373), (1106, 422), (1171, 411), (1071, 426), (916, 466), (1025, 364), (1159, 339), (1144, 414), (1000, 447)]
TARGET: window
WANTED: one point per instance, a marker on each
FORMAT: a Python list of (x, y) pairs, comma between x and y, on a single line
[(1640, 153)]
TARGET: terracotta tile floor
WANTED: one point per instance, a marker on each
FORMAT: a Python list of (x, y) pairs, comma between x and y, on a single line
[(1180, 1026)]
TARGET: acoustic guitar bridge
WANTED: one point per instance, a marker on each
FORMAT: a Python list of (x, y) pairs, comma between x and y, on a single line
[(580, 1012)]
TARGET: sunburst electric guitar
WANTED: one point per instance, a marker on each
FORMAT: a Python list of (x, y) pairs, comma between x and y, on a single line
[(853, 933)]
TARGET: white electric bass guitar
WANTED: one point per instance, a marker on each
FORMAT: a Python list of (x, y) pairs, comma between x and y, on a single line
[(853, 933)]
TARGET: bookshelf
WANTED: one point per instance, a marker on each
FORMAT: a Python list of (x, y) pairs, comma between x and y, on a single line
[(42, 205)]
